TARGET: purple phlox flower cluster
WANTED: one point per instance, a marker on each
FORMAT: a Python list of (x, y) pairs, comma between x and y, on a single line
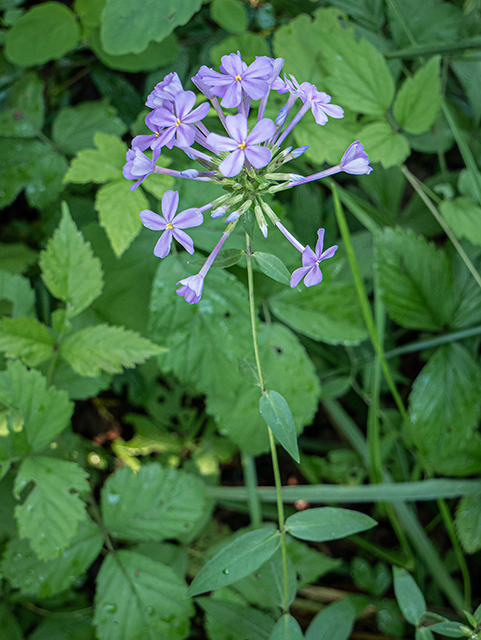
[(310, 269), (246, 161), (171, 224)]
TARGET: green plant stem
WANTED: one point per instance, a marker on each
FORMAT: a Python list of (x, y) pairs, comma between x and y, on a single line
[(275, 461), (442, 223), (253, 500)]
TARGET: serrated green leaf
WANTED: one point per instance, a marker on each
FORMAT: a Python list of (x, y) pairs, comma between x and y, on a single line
[(230, 620), (238, 559), (334, 622), (118, 210), (33, 166), (37, 414), (329, 313), (27, 339), (69, 269), (24, 116), (77, 386), (408, 595), (222, 318), (383, 145), (101, 164), (438, 22), (22, 567), (155, 504), (468, 523), (45, 32), (78, 628), (414, 279), (464, 218), (129, 25), (272, 267), (106, 348), (231, 15), (50, 515), (74, 127), (359, 77), (418, 102), (275, 411), (18, 291), (287, 628), (139, 598), (327, 523), (444, 407)]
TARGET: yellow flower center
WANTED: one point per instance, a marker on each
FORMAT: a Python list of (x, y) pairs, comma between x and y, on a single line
[(238, 77), (177, 122), (169, 225), (242, 145)]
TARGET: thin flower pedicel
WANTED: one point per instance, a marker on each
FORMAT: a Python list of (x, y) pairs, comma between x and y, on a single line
[(247, 164)]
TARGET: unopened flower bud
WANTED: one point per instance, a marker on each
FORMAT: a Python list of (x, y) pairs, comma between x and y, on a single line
[(189, 173), (218, 213), (299, 151), (281, 116), (261, 221)]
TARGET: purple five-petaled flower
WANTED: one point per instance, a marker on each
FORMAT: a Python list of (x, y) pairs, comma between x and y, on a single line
[(318, 101), (178, 125), (242, 145), (310, 269), (355, 160), (164, 92), (237, 79), (138, 166), (171, 224)]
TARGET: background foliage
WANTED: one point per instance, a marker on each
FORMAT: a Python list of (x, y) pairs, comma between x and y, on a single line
[(129, 420)]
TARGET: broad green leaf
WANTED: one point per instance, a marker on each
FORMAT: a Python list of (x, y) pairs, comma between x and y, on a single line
[(408, 595), (74, 127), (78, 387), (375, 580), (78, 628), (464, 218), (231, 15), (287, 628), (468, 523), (69, 269), (414, 279), (155, 504), (24, 116), (33, 166), (222, 318), (228, 258), (368, 13), (118, 210), (45, 32), (418, 102), (89, 11), (50, 515), (129, 25), (27, 339), (444, 407), (275, 411), (383, 145), (238, 559), (448, 628), (11, 629), (101, 164), (438, 22), (249, 44), (466, 295), (329, 313), (233, 621), (166, 52), (35, 577), (467, 184), (310, 564), (468, 71), (16, 257), (272, 267), (139, 598), (37, 414), (106, 348), (327, 523), (334, 622), (359, 77), (18, 291)]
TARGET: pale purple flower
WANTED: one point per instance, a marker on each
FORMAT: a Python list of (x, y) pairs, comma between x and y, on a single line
[(143, 142), (355, 160), (318, 101), (178, 125), (171, 224), (192, 286), (243, 146), (165, 91), (310, 269), (138, 166), (237, 80)]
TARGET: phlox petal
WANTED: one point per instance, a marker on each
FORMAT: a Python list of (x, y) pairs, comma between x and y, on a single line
[(184, 239), (314, 276), (263, 130), (258, 156), (328, 253), (233, 164), (170, 202), (309, 258), (232, 96), (184, 101), (320, 242), (163, 245), (297, 275), (237, 127), (188, 218), (221, 143), (152, 220)]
